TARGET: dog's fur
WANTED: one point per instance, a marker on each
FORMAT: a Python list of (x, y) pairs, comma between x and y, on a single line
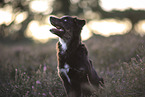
[(74, 67)]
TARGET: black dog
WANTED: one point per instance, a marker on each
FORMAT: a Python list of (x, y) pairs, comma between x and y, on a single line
[(74, 67)]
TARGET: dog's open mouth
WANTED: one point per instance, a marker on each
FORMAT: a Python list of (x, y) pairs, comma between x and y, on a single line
[(58, 30)]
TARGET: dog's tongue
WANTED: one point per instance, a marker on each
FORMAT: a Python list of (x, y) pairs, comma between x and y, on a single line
[(58, 32)]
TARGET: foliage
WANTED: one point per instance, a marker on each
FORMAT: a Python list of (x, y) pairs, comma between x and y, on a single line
[(127, 80), (80, 8)]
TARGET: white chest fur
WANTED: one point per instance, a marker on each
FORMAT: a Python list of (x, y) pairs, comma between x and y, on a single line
[(65, 71), (63, 44)]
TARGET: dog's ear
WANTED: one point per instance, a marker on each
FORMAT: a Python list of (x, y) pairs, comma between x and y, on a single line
[(79, 22)]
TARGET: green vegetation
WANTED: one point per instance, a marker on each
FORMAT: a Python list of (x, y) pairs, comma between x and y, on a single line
[(30, 70)]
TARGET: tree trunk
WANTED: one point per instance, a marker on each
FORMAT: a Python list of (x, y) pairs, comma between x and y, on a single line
[(21, 32)]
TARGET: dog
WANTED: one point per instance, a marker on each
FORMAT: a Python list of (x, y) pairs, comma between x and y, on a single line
[(74, 67)]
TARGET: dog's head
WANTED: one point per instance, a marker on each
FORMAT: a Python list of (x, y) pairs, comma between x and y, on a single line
[(67, 27)]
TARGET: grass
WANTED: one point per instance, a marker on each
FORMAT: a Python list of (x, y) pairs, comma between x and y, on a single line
[(30, 70)]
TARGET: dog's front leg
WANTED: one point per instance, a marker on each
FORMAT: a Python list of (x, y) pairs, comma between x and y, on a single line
[(75, 92), (71, 91), (66, 82), (67, 87)]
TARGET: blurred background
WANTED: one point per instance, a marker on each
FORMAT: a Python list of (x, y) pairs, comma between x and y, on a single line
[(23, 19), (114, 36)]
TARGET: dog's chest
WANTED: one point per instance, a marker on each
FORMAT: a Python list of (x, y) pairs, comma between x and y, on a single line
[(63, 45)]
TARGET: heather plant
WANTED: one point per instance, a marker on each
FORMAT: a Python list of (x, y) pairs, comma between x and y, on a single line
[(30, 70), (127, 81)]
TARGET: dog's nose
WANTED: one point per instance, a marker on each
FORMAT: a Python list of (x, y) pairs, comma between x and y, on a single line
[(51, 17)]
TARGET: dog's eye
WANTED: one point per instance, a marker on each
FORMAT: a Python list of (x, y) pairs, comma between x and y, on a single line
[(65, 20)]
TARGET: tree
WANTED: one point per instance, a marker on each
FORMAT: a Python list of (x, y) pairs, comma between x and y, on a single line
[(18, 7), (61, 6), (133, 15)]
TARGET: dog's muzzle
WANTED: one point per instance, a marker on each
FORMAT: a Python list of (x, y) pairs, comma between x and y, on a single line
[(58, 30)]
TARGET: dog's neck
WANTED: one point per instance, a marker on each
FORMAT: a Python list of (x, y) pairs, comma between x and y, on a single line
[(68, 48)]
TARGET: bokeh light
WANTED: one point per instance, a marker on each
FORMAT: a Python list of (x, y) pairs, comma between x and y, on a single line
[(140, 27), (109, 5), (41, 33), (39, 6), (6, 15), (109, 26), (74, 1), (86, 33), (21, 17), (38, 32)]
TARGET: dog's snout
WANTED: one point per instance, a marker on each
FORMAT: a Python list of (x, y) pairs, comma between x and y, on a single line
[(51, 18)]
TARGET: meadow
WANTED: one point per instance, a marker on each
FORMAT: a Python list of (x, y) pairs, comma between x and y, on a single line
[(30, 69)]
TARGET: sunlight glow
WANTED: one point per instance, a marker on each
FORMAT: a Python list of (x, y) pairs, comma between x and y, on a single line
[(6, 15), (140, 27), (38, 32), (86, 33), (44, 6), (109, 27), (103, 27), (41, 33), (21, 17), (143, 26), (109, 5)]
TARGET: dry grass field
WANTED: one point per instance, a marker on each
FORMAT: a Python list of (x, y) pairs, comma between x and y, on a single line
[(30, 70)]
